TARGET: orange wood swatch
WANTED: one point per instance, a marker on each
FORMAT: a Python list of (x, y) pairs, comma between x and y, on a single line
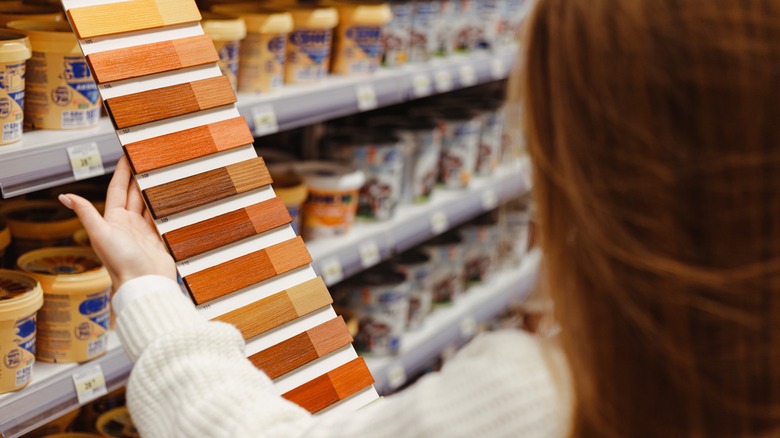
[(177, 147), (241, 272), (226, 228), (279, 308), (203, 188), (332, 387), (301, 349), (176, 100), (147, 59), (127, 16)]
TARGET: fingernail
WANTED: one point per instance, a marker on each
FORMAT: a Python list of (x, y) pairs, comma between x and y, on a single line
[(66, 201)]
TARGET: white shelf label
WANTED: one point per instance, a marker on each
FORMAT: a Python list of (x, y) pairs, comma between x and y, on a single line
[(85, 160), (498, 68), (264, 119), (366, 97), (90, 383), (396, 376), (489, 199), (369, 254), (331, 271), (421, 85), (468, 327), (439, 222), (443, 79), (468, 76)]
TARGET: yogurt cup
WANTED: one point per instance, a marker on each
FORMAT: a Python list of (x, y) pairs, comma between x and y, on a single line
[(461, 130), (20, 299), (38, 224), (263, 51), (491, 139), (359, 43), (332, 201), (425, 24), (14, 52), (227, 32), (417, 267), (291, 189), (117, 423), (480, 248), (309, 44), (60, 91), (74, 320), (379, 299), (446, 253), (397, 34)]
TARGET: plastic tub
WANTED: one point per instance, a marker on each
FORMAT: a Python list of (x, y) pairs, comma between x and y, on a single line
[(491, 139), (73, 323), (379, 299), (446, 253), (227, 32), (39, 224), (359, 44), (20, 298), (480, 248), (330, 207), (17, 10), (461, 129), (425, 23), (309, 44), (117, 423), (291, 189), (262, 53), (60, 91), (5, 241), (14, 52), (397, 34), (417, 267)]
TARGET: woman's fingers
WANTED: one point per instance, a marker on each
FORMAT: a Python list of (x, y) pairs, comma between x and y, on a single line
[(90, 218), (116, 196), (135, 202)]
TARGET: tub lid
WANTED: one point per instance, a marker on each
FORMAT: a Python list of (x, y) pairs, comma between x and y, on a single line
[(325, 175), (366, 13), (258, 19), (314, 17), (14, 46), (223, 27), (66, 269), (117, 423), (20, 294), (288, 185), (48, 35), (40, 220)]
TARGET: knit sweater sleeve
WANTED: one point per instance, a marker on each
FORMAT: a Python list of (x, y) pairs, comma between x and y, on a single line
[(191, 378)]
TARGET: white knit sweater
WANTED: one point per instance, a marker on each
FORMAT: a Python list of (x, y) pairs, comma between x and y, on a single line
[(191, 379)]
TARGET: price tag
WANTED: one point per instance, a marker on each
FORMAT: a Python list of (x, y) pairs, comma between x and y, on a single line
[(369, 254), (439, 222), (443, 79), (421, 85), (468, 327), (366, 97), (396, 377), (498, 68), (90, 383), (331, 271), (85, 160), (264, 119), (489, 199), (468, 76)]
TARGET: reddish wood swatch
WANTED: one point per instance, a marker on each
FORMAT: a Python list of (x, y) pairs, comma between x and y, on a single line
[(203, 188), (177, 147), (279, 308), (301, 349), (127, 16), (241, 272), (147, 59), (176, 100), (226, 228), (332, 387)]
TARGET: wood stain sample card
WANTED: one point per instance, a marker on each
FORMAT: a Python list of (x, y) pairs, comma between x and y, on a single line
[(211, 198)]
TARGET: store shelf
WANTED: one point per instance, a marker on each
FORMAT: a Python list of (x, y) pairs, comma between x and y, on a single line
[(453, 325), (369, 243), (40, 160)]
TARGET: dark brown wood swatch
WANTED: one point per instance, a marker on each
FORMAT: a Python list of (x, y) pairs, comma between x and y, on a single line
[(147, 59), (301, 349), (176, 100), (332, 387), (177, 147), (279, 308), (244, 271), (203, 188), (226, 228)]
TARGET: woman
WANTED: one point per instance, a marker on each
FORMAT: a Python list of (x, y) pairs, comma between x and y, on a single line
[(657, 170)]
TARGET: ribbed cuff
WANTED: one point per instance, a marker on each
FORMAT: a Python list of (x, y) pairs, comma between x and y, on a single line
[(147, 308)]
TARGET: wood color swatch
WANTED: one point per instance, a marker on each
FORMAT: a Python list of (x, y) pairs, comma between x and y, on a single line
[(299, 350), (244, 271), (203, 188), (162, 103), (147, 59), (332, 386), (128, 16), (177, 147), (226, 228), (279, 308)]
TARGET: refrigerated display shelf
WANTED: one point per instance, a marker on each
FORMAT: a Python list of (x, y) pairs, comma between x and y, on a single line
[(40, 160), (453, 326)]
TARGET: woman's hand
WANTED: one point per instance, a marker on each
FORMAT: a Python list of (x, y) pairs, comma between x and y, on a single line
[(124, 237)]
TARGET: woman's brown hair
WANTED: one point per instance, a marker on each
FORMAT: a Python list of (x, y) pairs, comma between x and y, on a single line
[(654, 130)]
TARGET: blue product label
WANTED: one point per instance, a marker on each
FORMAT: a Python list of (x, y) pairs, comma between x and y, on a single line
[(95, 307), (276, 45), (368, 38), (228, 54), (295, 214), (25, 332), (315, 44), (79, 78)]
